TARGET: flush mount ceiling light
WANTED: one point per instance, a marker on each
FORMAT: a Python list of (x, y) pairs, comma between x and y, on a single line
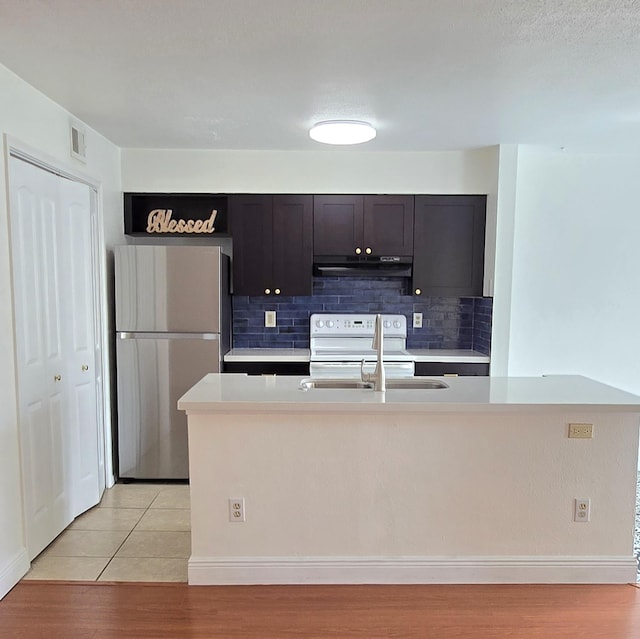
[(342, 132)]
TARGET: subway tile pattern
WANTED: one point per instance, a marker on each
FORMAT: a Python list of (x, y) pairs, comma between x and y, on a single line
[(482, 315), (447, 322)]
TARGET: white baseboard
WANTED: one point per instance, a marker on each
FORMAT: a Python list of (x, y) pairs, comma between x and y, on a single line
[(13, 571), (410, 570)]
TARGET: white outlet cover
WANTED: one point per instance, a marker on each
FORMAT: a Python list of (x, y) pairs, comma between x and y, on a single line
[(236, 509), (582, 510)]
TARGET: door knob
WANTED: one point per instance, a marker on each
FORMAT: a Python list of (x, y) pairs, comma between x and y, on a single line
[(358, 251), (85, 367), (367, 251), (418, 291), (57, 378), (267, 291), (277, 291)]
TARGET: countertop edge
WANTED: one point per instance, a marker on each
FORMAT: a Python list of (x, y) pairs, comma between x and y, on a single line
[(304, 355), (204, 408)]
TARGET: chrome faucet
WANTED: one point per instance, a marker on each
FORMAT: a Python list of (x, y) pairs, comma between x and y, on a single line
[(378, 376)]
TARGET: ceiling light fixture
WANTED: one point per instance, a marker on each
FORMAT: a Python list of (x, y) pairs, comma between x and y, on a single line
[(342, 132)]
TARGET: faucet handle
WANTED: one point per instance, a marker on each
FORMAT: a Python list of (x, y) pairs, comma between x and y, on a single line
[(365, 377)]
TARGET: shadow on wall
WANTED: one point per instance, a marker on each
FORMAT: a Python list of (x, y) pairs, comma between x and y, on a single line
[(448, 322)]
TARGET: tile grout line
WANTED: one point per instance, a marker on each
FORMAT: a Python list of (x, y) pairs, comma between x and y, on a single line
[(127, 537)]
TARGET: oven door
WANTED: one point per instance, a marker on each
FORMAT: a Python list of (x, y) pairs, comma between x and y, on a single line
[(352, 369)]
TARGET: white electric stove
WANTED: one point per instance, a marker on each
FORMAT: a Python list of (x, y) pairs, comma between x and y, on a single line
[(339, 343)]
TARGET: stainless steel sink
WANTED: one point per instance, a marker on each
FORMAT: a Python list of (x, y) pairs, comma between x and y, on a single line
[(420, 383), (404, 383), (319, 382)]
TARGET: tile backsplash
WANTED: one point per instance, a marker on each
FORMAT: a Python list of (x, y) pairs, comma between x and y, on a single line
[(448, 322)]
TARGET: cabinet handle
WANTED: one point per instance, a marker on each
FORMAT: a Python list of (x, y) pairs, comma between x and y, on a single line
[(85, 367), (367, 251), (57, 378), (418, 291), (358, 251), (267, 291), (277, 291)]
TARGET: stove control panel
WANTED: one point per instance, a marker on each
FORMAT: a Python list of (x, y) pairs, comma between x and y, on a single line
[(356, 324)]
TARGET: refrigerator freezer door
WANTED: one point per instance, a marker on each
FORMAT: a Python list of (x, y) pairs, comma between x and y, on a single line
[(180, 289), (154, 371)]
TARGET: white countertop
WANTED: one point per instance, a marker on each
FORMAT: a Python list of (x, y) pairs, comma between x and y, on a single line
[(304, 354), (459, 356), (241, 393)]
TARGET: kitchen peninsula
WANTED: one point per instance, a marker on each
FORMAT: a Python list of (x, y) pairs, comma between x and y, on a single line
[(473, 483)]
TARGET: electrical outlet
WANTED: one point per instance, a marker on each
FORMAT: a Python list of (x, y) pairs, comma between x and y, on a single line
[(581, 431), (417, 320), (581, 510), (236, 509), (270, 319)]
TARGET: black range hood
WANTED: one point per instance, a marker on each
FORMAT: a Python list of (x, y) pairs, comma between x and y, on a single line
[(362, 266)]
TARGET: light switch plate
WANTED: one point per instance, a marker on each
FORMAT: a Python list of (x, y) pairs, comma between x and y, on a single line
[(270, 319), (417, 320)]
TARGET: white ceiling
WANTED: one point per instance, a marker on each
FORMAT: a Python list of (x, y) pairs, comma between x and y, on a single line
[(256, 74)]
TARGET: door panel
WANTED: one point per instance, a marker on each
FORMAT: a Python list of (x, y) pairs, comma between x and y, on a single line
[(337, 225), (293, 244), (47, 501), (168, 289), (388, 224), (153, 373), (47, 334), (80, 343), (449, 245), (251, 226)]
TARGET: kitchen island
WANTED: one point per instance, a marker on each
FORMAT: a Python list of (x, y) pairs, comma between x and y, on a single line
[(473, 483)]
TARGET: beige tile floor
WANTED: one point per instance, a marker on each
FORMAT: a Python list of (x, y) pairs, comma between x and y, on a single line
[(138, 532)]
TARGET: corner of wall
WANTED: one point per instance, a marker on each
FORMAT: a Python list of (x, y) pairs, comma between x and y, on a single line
[(505, 214)]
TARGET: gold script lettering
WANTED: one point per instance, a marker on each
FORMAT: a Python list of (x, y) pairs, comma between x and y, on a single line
[(159, 221)]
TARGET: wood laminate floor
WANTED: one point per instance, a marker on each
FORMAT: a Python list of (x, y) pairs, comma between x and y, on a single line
[(104, 611)]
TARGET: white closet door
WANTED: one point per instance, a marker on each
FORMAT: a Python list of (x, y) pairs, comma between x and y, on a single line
[(55, 338), (37, 291), (79, 341)]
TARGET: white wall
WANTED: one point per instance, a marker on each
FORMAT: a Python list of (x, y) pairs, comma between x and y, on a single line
[(35, 121), (502, 233), (369, 495), (575, 298), (331, 171)]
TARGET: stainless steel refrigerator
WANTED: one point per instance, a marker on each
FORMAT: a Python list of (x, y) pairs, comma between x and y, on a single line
[(173, 325)]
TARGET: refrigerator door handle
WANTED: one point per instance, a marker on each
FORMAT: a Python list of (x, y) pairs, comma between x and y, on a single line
[(136, 335)]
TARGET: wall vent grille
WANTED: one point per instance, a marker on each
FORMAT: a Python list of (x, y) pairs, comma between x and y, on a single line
[(78, 142)]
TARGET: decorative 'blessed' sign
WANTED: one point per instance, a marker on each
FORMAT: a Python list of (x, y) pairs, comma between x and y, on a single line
[(159, 221), (193, 214)]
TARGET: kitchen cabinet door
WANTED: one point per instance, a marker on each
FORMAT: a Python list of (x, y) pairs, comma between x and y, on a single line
[(362, 225), (272, 244), (338, 225), (251, 230), (292, 259), (448, 245), (388, 225)]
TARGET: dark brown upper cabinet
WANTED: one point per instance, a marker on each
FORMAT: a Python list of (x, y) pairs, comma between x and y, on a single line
[(374, 225), (272, 244), (448, 241)]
